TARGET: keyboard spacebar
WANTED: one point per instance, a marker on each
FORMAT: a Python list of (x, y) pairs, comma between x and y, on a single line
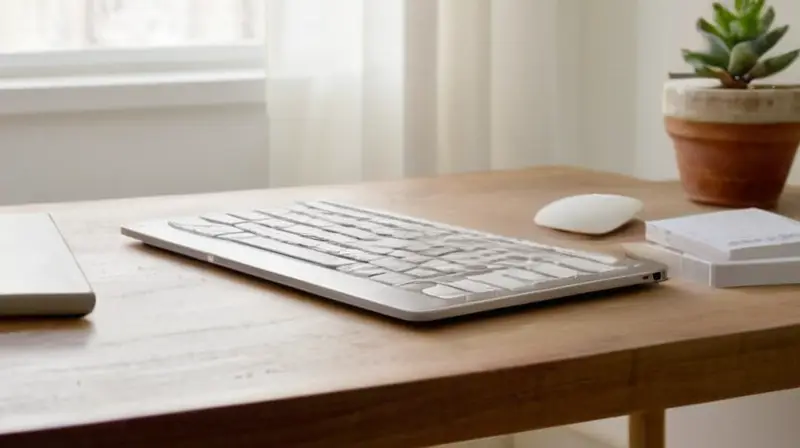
[(294, 251)]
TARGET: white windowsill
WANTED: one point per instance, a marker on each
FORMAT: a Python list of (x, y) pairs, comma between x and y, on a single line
[(118, 79), (130, 91)]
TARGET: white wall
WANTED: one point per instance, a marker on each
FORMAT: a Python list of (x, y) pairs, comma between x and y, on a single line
[(104, 154)]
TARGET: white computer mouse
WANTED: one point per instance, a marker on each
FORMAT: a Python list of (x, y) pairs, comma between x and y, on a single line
[(589, 214)]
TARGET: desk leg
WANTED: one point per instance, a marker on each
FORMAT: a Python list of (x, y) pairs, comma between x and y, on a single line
[(646, 429)]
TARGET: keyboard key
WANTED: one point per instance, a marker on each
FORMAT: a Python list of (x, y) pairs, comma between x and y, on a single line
[(393, 278), (430, 233), (358, 255), (525, 275), (305, 230), (237, 236), (249, 215), (367, 225), (417, 246), (451, 268), (418, 286), (555, 270), (586, 265), (275, 223), (362, 270), (406, 235), (423, 273), (297, 218), (373, 249), (445, 292), (318, 223), (600, 258), (410, 257), (329, 248), (335, 208), (297, 252), (439, 251), (392, 243), (371, 271), (278, 235), (443, 266), (384, 231), (498, 279), (393, 264), (353, 232), (473, 286), (203, 227), (391, 222), (338, 238), (319, 234), (342, 220), (222, 218)]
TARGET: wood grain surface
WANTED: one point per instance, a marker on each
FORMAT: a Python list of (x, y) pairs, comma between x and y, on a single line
[(178, 353)]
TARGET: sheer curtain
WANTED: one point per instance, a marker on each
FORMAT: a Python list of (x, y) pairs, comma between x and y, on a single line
[(382, 89)]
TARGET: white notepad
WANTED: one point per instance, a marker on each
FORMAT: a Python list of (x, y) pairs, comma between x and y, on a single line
[(733, 235)]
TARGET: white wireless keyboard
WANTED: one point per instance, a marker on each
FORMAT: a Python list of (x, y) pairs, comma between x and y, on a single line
[(397, 265)]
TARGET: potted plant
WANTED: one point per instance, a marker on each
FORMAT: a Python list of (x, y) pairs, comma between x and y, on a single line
[(735, 137)]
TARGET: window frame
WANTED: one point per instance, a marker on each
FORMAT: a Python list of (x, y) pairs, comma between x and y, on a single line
[(102, 61), (131, 78)]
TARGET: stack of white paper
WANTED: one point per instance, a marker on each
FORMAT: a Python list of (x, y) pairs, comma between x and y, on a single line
[(726, 249)]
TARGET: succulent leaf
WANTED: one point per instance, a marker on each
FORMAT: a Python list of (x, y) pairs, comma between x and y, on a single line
[(755, 7), (717, 46), (743, 58), (750, 28), (767, 19), (707, 28), (772, 66), (747, 24), (737, 40), (737, 33), (723, 17), (767, 41), (709, 72), (697, 59)]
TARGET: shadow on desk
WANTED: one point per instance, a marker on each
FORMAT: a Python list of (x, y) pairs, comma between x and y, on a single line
[(34, 333)]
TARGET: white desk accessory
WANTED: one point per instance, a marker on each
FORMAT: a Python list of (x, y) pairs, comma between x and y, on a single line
[(38, 274), (588, 214), (733, 235), (724, 274)]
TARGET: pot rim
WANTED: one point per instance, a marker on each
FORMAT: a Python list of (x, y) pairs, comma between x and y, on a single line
[(702, 99)]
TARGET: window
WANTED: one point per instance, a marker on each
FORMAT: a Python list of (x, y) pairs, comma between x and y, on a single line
[(81, 55), (37, 36), (52, 25)]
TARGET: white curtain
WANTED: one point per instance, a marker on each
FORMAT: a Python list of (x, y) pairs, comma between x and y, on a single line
[(382, 89)]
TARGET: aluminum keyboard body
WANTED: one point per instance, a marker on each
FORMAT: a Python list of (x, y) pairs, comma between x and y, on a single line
[(396, 265)]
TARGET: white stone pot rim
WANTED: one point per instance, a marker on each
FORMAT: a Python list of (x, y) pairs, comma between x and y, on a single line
[(703, 100)]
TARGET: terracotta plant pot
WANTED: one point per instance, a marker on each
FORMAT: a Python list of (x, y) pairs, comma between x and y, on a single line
[(735, 148)]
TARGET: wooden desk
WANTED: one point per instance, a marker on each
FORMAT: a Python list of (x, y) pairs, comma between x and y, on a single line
[(179, 353)]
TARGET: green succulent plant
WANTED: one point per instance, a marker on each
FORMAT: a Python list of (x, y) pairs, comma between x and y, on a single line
[(737, 41)]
